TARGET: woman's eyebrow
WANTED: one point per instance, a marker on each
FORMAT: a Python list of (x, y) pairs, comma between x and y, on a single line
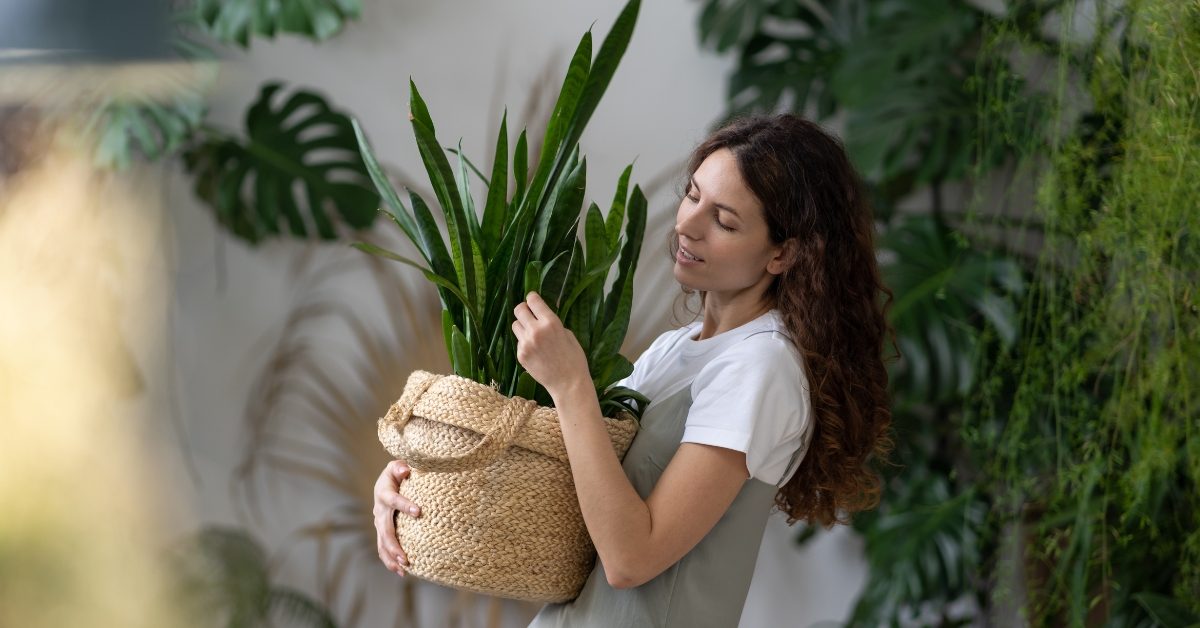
[(719, 205)]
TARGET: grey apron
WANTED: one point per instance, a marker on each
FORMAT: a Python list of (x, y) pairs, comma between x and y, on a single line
[(708, 586)]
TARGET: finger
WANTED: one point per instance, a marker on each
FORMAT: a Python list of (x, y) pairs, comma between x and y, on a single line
[(524, 314), (538, 306), (518, 329), (387, 558), (398, 469), (402, 503), (388, 542)]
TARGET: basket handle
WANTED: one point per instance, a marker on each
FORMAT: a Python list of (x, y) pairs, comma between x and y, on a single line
[(510, 421)]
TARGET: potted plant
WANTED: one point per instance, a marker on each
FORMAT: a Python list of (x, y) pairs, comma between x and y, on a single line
[(488, 461)]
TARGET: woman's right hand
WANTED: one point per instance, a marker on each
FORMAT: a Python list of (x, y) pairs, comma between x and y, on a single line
[(387, 501)]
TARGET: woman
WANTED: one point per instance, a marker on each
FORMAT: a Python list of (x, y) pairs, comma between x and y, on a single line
[(777, 397)]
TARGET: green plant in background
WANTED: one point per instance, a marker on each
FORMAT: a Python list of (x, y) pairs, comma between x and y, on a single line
[(250, 182), (223, 579), (1044, 402), (901, 72), (1094, 442), (529, 241)]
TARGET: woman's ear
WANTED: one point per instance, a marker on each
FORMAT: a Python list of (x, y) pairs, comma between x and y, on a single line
[(785, 256)]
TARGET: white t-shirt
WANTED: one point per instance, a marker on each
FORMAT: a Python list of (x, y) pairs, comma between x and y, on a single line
[(749, 391)]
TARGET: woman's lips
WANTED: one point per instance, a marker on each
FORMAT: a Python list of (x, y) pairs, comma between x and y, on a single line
[(683, 259)]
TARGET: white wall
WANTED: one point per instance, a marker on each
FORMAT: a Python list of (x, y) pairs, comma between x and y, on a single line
[(468, 59)]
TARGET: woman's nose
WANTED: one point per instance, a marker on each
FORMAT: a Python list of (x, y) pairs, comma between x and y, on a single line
[(686, 221)]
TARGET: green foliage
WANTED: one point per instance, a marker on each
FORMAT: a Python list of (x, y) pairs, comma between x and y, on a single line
[(224, 580), (1095, 425), (1055, 395), (527, 239), (252, 184), (234, 21), (944, 292), (156, 126), (900, 70)]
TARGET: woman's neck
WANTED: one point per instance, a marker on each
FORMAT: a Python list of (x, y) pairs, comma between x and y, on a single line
[(721, 316)]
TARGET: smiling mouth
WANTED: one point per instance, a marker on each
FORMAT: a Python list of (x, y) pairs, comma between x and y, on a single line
[(686, 254)]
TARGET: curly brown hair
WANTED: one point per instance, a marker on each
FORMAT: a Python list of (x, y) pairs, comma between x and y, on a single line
[(829, 298)]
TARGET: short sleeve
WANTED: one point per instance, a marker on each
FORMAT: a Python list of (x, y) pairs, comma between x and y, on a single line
[(646, 361), (752, 398)]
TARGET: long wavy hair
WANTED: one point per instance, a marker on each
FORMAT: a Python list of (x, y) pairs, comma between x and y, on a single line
[(832, 301)]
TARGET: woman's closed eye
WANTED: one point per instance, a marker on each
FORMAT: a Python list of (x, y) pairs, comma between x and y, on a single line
[(716, 214)]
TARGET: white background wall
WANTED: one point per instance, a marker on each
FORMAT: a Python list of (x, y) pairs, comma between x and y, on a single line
[(469, 59)]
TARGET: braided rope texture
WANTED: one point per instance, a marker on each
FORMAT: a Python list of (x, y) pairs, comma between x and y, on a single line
[(499, 513)]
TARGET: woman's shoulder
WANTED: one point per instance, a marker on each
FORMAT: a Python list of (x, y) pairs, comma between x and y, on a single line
[(767, 347)]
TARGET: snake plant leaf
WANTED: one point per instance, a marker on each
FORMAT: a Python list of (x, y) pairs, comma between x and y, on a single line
[(533, 277), (558, 230), (464, 248), (521, 166), (564, 110), (461, 354), (616, 212), (596, 238), (235, 21), (431, 236), (495, 208), (526, 386), (620, 299), (610, 54), (442, 282), (251, 184)]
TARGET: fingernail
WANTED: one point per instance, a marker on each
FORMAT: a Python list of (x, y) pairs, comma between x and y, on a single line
[(402, 561), (412, 510)]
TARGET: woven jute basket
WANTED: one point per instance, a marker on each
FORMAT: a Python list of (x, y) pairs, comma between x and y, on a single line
[(499, 513)]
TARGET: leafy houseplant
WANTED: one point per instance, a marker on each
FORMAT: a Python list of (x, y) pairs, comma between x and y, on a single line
[(484, 446), (528, 241)]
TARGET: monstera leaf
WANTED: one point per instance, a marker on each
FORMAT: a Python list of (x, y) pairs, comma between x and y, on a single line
[(903, 81), (234, 21), (786, 50), (300, 160), (945, 294), (922, 549)]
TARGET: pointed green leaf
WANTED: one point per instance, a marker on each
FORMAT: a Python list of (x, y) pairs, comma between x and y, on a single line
[(616, 214), (495, 209)]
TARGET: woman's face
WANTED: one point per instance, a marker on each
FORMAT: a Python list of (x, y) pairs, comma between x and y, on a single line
[(721, 222)]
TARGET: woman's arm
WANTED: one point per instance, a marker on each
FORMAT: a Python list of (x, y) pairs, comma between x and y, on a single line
[(636, 539)]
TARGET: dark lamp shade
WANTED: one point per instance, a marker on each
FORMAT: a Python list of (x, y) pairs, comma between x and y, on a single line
[(89, 31)]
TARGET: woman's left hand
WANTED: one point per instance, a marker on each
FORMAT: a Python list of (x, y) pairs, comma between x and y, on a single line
[(549, 351)]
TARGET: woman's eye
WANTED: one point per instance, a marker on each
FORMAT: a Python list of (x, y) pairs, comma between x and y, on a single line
[(720, 224)]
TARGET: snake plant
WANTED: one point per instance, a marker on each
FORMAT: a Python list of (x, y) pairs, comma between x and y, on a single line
[(528, 237)]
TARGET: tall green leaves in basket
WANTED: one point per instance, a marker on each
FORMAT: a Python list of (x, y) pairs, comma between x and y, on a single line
[(527, 239)]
